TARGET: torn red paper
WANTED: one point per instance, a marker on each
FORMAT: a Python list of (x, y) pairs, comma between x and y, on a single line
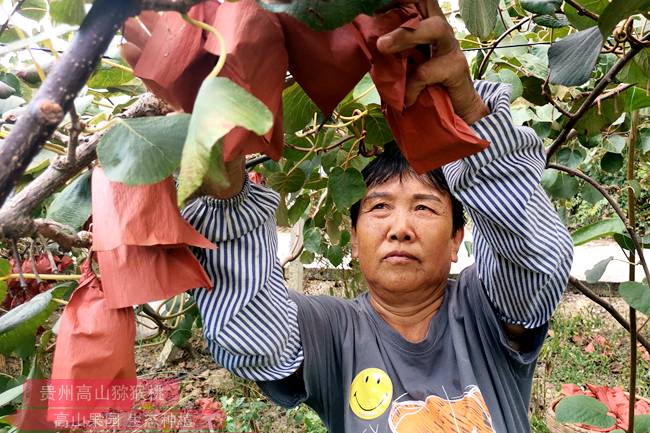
[(261, 45), (141, 241)]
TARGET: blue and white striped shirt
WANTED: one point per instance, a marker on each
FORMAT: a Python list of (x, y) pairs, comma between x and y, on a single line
[(523, 252)]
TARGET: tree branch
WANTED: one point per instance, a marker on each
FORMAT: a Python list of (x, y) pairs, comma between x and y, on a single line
[(486, 59), (46, 110), (182, 6), (593, 96), (582, 288), (582, 10), (62, 234), (16, 8), (15, 220), (617, 208)]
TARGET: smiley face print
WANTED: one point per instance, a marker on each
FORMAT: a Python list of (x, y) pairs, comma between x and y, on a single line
[(371, 392)]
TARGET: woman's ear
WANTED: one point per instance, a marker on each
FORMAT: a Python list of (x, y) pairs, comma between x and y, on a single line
[(456, 239)]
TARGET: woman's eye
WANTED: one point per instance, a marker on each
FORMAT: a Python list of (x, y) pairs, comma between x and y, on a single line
[(422, 207), (379, 206)]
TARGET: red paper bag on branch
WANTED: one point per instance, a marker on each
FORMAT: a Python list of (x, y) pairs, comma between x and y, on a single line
[(94, 348), (142, 242), (327, 65)]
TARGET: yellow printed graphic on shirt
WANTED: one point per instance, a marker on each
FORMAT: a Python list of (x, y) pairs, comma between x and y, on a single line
[(465, 414), (371, 392)]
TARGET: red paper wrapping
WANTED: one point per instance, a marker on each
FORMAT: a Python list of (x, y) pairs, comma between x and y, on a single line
[(142, 242), (95, 346), (327, 65)]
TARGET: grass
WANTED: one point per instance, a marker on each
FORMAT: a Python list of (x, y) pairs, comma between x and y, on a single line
[(567, 357)]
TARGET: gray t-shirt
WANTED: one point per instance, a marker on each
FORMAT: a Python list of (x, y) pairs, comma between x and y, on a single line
[(361, 376)]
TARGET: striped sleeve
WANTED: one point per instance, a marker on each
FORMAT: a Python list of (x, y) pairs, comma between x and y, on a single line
[(249, 322), (523, 252)]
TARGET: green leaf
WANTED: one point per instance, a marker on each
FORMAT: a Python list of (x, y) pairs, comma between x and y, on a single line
[(591, 142), (335, 255), (533, 90), (365, 92), (584, 410), (597, 230), (615, 143), (582, 22), (298, 109), (22, 322), (641, 424), (619, 10), (5, 269), (509, 77), (32, 9), (220, 106), (378, 132), (594, 274), (480, 16), (643, 140), (552, 21), (67, 11), (307, 257), (285, 183), (13, 82), (6, 90), (11, 395), (599, 117), (73, 205), (637, 295), (298, 209), (564, 187), (572, 59), (571, 157), (625, 241), (541, 7), (143, 150), (346, 187), (311, 239), (612, 162), (106, 77), (183, 331), (591, 194), (325, 15), (636, 99)]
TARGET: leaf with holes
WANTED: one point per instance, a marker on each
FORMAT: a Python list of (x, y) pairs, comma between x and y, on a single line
[(619, 10), (572, 60), (325, 15), (143, 150), (220, 106), (346, 187), (583, 410), (480, 16), (541, 7), (594, 274), (637, 295), (598, 230), (72, 206)]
